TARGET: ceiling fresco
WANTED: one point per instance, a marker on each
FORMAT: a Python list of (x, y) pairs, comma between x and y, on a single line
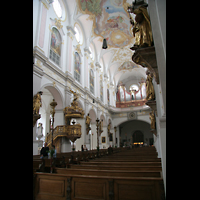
[(110, 20), (127, 66)]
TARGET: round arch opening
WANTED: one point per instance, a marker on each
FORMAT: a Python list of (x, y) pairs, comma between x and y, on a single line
[(134, 132)]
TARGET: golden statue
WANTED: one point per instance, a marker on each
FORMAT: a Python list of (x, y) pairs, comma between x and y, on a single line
[(37, 103), (141, 28), (88, 120), (75, 95), (150, 94), (109, 127), (100, 126), (153, 120)]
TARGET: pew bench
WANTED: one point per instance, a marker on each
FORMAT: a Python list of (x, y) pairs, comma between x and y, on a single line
[(108, 167), (128, 163), (111, 172), (74, 187)]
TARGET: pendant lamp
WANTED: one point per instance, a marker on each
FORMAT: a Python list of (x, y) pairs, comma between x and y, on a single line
[(104, 46)]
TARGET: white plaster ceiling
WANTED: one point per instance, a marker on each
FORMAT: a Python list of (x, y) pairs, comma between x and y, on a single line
[(116, 27)]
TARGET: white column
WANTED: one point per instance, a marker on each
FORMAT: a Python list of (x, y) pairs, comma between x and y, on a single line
[(94, 137), (65, 145)]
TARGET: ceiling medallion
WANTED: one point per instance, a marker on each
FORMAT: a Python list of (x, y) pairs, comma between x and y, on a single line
[(132, 115)]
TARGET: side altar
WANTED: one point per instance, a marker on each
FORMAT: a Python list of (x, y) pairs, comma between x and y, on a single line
[(72, 132)]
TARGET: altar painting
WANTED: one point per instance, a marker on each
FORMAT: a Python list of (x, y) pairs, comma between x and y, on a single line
[(55, 41)]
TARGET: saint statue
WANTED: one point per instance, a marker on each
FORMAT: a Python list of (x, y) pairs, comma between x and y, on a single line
[(37, 103), (100, 127), (141, 28), (75, 95), (150, 94), (109, 127), (153, 120), (88, 120)]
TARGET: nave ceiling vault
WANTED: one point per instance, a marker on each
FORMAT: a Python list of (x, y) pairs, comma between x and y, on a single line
[(109, 19)]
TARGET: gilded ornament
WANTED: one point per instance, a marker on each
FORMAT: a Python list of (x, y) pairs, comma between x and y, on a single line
[(141, 28), (37, 102), (153, 120), (58, 23), (150, 93), (88, 120)]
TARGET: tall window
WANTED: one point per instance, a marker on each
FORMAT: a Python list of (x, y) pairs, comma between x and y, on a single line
[(77, 67), (78, 35), (57, 7), (55, 48), (91, 81), (101, 88)]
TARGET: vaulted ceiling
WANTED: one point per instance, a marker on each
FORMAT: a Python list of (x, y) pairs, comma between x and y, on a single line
[(109, 19)]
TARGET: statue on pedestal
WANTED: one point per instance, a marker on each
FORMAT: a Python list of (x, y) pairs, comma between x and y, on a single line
[(153, 120), (109, 127), (141, 28), (37, 102), (150, 93), (88, 120), (100, 127)]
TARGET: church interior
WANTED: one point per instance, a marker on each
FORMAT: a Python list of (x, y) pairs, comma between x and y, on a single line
[(99, 87)]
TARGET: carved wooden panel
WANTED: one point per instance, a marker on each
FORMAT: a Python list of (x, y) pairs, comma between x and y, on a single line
[(128, 190), (89, 188), (52, 187)]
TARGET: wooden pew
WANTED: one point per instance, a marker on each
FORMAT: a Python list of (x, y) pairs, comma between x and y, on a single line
[(38, 165), (74, 187), (118, 177), (110, 163), (108, 167), (111, 172)]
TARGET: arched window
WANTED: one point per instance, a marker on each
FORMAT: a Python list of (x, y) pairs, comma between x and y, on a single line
[(77, 67), (57, 8), (101, 88), (92, 55), (91, 81), (78, 34), (55, 48)]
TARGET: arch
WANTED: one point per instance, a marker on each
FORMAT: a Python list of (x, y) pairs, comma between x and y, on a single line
[(93, 115), (143, 120), (56, 93), (104, 120), (133, 131)]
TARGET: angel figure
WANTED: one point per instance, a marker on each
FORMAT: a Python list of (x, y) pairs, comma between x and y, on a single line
[(75, 95)]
